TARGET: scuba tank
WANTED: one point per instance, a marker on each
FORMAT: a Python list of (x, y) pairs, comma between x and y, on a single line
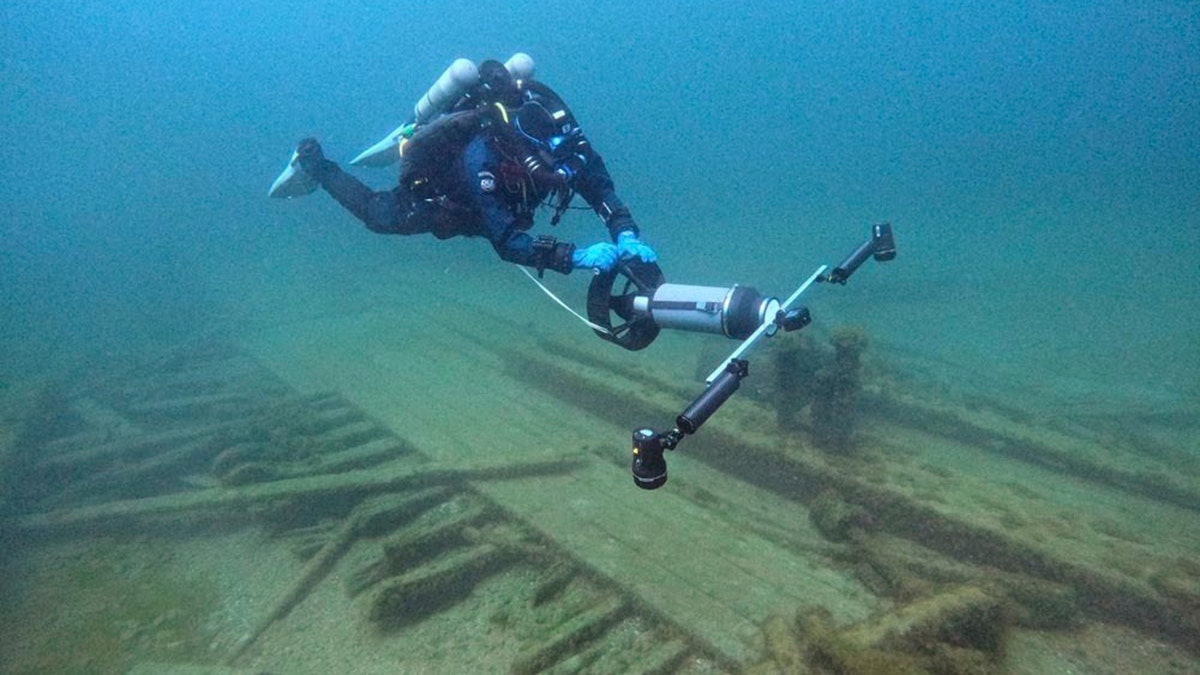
[(520, 66), (453, 83), (449, 88)]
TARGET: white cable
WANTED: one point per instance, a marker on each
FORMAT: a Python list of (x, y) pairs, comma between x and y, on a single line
[(562, 304)]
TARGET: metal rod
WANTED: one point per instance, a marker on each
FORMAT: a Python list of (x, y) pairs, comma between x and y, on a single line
[(766, 324)]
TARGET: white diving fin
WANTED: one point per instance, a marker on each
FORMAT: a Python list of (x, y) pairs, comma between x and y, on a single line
[(293, 182), (382, 153)]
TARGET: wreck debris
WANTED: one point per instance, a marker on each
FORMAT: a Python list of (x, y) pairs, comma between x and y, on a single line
[(128, 513), (431, 533), (553, 582), (1084, 585), (570, 637), (796, 363), (836, 389), (960, 631), (365, 516), (411, 597), (324, 477)]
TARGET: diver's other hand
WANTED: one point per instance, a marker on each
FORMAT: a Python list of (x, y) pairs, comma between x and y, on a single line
[(309, 156), (629, 246), (600, 256)]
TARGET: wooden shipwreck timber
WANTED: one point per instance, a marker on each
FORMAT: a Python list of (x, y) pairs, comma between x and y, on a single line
[(471, 510)]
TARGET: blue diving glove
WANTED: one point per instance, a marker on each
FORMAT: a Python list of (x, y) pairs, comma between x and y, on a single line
[(629, 246), (600, 256)]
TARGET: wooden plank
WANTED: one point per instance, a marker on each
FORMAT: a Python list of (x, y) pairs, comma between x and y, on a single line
[(716, 578), (717, 582), (364, 481), (476, 394)]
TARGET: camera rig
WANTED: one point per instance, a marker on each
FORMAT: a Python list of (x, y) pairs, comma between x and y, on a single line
[(646, 303)]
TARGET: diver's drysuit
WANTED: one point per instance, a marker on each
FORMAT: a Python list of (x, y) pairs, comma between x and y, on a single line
[(482, 168)]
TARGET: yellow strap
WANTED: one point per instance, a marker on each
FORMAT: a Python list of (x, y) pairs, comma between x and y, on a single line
[(503, 111)]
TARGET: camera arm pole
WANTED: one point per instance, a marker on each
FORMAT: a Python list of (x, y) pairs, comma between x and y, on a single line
[(649, 465)]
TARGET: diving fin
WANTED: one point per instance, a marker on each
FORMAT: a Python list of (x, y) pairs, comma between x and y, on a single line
[(384, 152), (293, 182)]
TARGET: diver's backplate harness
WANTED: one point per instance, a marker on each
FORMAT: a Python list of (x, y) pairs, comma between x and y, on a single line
[(541, 149)]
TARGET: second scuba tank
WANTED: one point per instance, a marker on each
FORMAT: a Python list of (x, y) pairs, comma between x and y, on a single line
[(520, 66), (448, 88), (453, 83)]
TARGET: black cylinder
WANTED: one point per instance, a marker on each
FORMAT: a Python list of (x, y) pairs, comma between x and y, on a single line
[(885, 242), (852, 262), (712, 398)]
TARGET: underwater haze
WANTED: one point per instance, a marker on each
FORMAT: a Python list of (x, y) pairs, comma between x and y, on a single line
[(249, 431), (1039, 161)]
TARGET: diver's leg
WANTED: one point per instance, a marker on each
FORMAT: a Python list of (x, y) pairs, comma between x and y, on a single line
[(380, 211), (387, 212)]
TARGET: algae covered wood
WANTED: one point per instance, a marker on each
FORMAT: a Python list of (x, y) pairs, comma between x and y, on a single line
[(716, 582), (715, 579), (889, 544), (363, 482)]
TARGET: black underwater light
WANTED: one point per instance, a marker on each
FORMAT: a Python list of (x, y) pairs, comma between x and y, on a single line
[(649, 465), (881, 244)]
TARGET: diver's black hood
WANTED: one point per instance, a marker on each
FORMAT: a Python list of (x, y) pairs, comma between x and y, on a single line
[(497, 84)]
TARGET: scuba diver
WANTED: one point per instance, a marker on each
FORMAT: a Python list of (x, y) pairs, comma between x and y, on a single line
[(485, 147), (482, 166)]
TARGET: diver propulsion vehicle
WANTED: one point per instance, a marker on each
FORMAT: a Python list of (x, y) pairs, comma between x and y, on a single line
[(642, 303), (455, 81)]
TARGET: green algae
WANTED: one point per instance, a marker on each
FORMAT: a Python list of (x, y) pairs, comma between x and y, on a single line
[(103, 606)]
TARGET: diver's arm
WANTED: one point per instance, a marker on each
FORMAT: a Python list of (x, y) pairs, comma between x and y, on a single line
[(588, 175), (513, 245), (583, 167), (540, 253), (593, 183)]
